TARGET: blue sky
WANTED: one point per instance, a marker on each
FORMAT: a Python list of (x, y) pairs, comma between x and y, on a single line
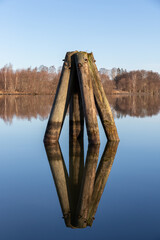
[(120, 33)]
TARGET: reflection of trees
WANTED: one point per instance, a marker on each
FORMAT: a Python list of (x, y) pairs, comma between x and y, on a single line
[(139, 106), (80, 191), (28, 106), (24, 107)]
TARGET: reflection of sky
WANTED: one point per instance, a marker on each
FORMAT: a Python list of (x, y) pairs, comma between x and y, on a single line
[(129, 207)]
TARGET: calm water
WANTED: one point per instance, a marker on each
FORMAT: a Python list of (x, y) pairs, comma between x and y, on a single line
[(129, 207)]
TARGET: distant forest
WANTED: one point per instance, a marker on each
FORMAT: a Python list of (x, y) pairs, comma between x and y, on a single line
[(43, 80)]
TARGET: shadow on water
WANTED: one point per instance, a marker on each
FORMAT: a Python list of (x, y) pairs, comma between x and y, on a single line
[(80, 190)]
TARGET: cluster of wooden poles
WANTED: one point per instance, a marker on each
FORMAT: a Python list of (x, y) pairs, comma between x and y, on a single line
[(81, 89), (80, 190)]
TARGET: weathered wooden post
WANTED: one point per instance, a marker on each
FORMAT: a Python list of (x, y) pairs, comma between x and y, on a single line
[(80, 86), (60, 103), (102, 103), (76, 116), (85, 82)]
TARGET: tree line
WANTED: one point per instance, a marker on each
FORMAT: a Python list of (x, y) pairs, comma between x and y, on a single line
[(41, 80), (44, 80), (140, 82)]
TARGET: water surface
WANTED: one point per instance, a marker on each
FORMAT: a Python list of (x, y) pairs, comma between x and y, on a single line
[(129, 207)]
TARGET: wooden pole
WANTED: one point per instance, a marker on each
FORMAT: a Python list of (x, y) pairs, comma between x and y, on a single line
[(61, 179), (102, 175), (76, 117), (102, 103), (89, 109), (87, 185), (60, 103)]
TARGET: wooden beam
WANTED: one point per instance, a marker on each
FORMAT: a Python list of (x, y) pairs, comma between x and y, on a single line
[(60, 103), (76, 116), (89, 109), (102, 103)]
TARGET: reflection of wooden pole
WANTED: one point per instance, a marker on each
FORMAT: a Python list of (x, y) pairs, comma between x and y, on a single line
[(87, 185), (60, 104), (61, 180), (102, 103), (76, 167), (89, 108), (76, 117), (79, 194), (102, 175)]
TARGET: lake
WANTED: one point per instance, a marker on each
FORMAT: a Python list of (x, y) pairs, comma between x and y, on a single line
[(116, 185)]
